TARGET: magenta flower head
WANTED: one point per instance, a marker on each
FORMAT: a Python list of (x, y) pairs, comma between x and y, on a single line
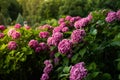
[(81, 23), (51, 41), (89, 17), (12, 45), (44, 34), (38, 49), (65, 29), (46, 62), (33, 44), (57, 35), (111, 16), (77, 36), (10, 32), (65, 46), (48, 68), (62, 25), (68, 18), (43, 45), (118, 14), (57, 29), (17, 26), (61, 20), (1, 35), (15, 35), (78, 71), (2, 27), (45, 76), (27, 27)]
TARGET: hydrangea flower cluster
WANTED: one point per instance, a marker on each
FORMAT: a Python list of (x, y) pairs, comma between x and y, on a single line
[(27, 27), (118, 14), (65, 46), (12, 45), (33, 44), (111, 16), (2, 27), (81, 23), (61, 20), (77, 35), (55, 39), (10, 32), (78, 71), (1, 35), (65, 29), (15, 35), (17, 26), (44, 34), (48, 68)]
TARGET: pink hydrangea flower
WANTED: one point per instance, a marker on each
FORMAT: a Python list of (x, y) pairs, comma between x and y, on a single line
[(17, 26), (57, 29), (46, 62), (2, 27), (89, 17), (10, 32), (57, 35), (51, 41), (44, 34), (45, 76), (27, 27), (33, 44), (1, 35), (65, 46), (65, 29), (15, 35), (118, 14), (111, 16), (78, 71), (12, 45), (38, 49), (46, 27), (48, 68), (43, 45), (77, 36), (81, 23), (61, 20), (68, 18)]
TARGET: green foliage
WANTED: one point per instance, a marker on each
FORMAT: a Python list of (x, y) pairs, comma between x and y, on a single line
[(20, 19)]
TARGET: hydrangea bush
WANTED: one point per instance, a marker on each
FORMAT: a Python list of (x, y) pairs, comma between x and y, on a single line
[(78, 48)]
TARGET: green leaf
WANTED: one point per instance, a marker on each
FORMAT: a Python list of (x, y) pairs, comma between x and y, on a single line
[(82, 52), (117, 37), (92, 66), (64, 75), (106, 76), (24, 49), (66, 69), (3, 47), (93, 31), (115, 43), (74, 58), (118, 66), (95, 74), (57, 54)]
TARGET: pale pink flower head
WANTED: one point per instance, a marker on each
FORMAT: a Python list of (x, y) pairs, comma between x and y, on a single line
[(65, 46), (51, 41), (1, 35), (17, 26), (89, 17), (78, 71), (2, 27), (111, 16), (118, 14), (44, 34), (10, 32), (15, 35), (45, 76), (33, 44), (48, 68), (12, 45)]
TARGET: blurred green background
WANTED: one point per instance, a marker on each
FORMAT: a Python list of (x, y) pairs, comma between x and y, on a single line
[(41, 11)]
